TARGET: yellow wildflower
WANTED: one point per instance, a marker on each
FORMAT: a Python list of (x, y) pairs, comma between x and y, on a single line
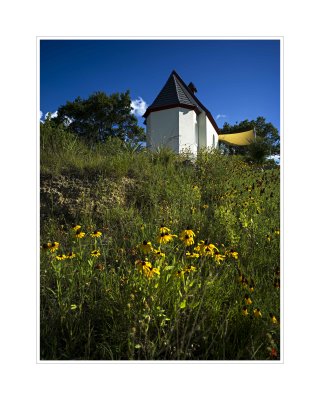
[(188, 269), (187, 236), (164, 238), (244, 311), (95, 253), (205, 248), (163, 229), (80, 234), (158, 253), (71, 255), (146, 247), (46, 246), (219, 257), (96, 233), (257, 313), (273, 318), (247, 300), (54, 246), (192, 255), (147, 268), (60, 256), (76, 227)]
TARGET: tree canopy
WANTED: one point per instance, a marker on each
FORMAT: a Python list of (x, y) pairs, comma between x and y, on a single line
[(101, 116), (268, 139)]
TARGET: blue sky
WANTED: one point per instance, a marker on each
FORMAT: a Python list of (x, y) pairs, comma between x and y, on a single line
[(235, 79)]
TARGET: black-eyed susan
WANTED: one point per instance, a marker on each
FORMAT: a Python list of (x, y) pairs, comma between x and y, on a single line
[(205, 206), (251, 286), (219, 257), (71, 255), (164, 230), (147, 269), (257, 313), (189, 269), (205, 248), (60, 257), (165, 238), (96, 234), (145, 247), (273, 319), (245, 311), (247, 299), (158, 253), (76, 227), (54, 246), (232, 253), (95, 253), (80, 234), (46, 246), (187, 236), (192, 255)]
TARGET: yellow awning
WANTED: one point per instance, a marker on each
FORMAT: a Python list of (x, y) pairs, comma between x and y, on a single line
[(238, 139)]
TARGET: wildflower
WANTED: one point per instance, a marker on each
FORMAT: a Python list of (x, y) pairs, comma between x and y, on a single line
[(218, 257), (163, 229), (80, 234), (179, 273), (164, 238), (277, 231), (247, 300), (147, 268), (146, 247), (205, 206), (244, 311), (192, 255), (96, 234), (158, 253), (76, 227), (251, 287), (232, 253), (205, 248), (54, 246), (46, 246), (71, 255), (273, 318), (257, 313), (188, 269), (268, 237), (95, 253), (60, 256), (187, 240)]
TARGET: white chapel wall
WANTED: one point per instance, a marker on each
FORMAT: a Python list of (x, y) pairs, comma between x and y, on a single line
[(188, 128), (163, 129), (211, 135)]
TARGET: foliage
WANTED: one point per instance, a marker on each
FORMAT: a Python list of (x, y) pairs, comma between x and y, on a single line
[(101, 116), (108, 305), (267, 136)]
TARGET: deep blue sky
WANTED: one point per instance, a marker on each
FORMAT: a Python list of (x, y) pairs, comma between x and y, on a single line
[(239, 79)]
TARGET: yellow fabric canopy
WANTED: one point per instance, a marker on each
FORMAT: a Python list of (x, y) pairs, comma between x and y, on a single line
[(238, 139)]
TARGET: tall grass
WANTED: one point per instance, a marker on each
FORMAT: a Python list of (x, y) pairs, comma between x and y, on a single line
[(106, 307)]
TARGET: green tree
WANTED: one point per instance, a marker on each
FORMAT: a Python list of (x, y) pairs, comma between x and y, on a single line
[(268, 139), (101, 116)]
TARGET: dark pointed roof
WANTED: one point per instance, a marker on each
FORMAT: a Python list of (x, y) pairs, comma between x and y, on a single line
[(175, 93)]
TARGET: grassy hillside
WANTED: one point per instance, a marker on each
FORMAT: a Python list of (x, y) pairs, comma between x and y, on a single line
[(114, 288)]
